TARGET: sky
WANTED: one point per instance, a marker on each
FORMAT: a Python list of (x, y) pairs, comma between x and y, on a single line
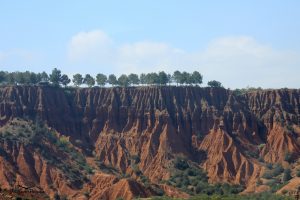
[(249, 43)]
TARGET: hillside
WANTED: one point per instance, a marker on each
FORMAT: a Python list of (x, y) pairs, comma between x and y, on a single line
[(93, 143)]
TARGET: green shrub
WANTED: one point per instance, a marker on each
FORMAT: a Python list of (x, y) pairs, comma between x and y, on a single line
[(200, 135), (185, 182), (157, 190), (284, 191), (290, 128), (259, 196), (267, 175), (135, 158), (86, 194), (191, 172), (277, 170), (259, 182), (288, 157), (136, 170), (63, 142), (273, 172), (181, 163), (269, 165), (298, 173), (261, 159), (261, 146), (286, 175), (272, 182), (162, 198), (253, 154), (276, 187), (144, 180)]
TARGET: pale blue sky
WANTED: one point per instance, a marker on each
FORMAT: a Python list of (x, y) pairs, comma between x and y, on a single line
[(240, 43)]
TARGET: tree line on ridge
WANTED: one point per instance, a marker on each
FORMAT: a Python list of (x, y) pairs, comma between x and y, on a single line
[(56, 78)]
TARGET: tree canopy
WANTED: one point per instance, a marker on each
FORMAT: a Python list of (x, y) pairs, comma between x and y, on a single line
[(89, 80), (112, 79), (77, 79), (214, 83), (101, 79), (163, 78), (65, 80), (56, 78), (133, 79), (123, 80)]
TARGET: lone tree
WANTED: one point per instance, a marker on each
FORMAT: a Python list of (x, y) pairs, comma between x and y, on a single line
[(10, 78), (196, 78), (38, 77), (44, 77), (133, 79), (55, 77), (163, 78), (112, 79), (152, 78), (143, 78), (23, 77), (89, 80), (184, 78), (65, 80), (33, 78), (77, 80), (177, 76), (19, 77), (214, 83), (2, 76), (101, 79), (123, 80)]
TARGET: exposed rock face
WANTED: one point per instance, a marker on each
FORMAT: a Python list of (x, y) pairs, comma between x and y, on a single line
[(225, 160), (279, 111), (293, 186), (24, 168), (110, 187), (210, 126)]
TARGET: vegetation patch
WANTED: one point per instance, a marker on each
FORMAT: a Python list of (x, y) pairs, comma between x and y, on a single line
[(191, 179), (264, 196), (239, 92), (55, 149), (274, 171)]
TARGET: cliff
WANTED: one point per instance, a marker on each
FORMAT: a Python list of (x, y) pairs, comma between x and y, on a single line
[(231, 137)]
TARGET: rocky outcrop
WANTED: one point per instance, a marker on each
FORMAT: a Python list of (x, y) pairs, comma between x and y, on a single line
[(106, 186), (223, 133), (291, 187), (275, 105), (225, 160), (279, 111), (24, 168)]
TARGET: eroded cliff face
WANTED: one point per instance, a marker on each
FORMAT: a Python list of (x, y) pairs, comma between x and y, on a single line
[(279, 111), (223, 133)]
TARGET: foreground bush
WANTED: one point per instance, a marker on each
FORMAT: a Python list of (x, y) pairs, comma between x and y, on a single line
[(261, 196)]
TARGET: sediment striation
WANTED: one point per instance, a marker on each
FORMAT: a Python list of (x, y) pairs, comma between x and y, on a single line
[(230, 136)]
